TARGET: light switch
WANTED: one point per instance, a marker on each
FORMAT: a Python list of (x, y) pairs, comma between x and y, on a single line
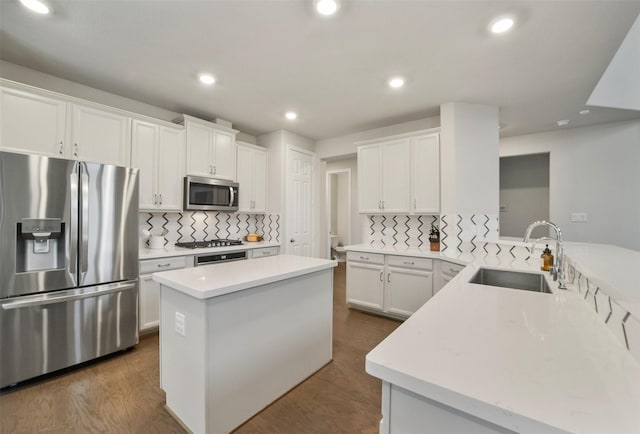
[(180, 324), (579, 217)]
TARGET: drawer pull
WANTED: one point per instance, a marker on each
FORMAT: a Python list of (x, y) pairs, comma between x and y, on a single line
[(453, 270), (409, 263), (364, 258), (164, 265), (265, 253)]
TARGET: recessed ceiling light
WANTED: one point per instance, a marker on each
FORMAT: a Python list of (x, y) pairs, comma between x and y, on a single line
[(36, 6), (396, 82), (291, 115), (502, 25), (207, 79), (326, 7), (585, 112), (563, 122)]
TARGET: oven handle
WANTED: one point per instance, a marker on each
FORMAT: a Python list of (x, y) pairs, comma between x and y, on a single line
[(44, 299)]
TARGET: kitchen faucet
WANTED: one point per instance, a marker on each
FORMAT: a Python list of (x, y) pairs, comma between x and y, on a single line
[(557, 271)]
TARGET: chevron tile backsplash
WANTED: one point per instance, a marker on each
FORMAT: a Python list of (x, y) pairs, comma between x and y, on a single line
[(400, 230), (201, 225), (462, 231)]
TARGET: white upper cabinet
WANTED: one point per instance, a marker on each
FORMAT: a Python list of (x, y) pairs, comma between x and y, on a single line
[(32, 123), (252, 177), (211, 149), (425, 174), (158, 151), (383, 177), (400, 175), (100, 136)]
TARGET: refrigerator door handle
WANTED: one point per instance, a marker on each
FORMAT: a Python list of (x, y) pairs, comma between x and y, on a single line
[(72, 249), (65, 296), (84, 219)]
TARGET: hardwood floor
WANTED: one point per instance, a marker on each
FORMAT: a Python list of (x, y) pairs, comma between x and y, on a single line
[(121, 394)]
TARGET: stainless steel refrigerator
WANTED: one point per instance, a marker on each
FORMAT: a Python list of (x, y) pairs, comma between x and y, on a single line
[(69, 263)]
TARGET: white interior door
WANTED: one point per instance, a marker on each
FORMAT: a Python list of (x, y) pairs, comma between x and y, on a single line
[(299, 239)]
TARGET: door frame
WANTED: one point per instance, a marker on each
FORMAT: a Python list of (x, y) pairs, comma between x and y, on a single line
[(314, 218), (328, 207)]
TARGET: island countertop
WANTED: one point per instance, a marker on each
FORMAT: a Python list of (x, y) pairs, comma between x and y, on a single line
[(214, 280), (529, 362)]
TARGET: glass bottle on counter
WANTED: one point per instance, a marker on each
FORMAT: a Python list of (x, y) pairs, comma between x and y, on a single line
[(546, 259)]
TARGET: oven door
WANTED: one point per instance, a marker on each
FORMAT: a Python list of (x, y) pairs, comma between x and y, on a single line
[(205, 194)]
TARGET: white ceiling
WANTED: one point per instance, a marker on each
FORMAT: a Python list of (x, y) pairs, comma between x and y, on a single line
[(274, 56)]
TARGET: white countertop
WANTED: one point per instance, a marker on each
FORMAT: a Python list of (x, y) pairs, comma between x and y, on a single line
[(526, 361), (169, 251), (218, 279), (459, 258)]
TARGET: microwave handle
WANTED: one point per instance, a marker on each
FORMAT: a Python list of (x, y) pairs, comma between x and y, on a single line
[(233, 196)]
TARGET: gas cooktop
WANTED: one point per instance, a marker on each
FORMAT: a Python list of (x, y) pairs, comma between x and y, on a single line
[(209, 243)]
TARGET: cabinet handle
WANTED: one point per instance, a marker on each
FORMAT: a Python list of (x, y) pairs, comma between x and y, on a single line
[(388, 277), (155, 199), (414, 204), (214, 170), (160, 199), (210, 169), (60, 148), (265, 253), (164, 265), (364, 258), (75, 149), (409, 263), (381, 276), (383, 204)]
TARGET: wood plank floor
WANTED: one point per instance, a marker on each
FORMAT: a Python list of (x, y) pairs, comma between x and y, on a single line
[(121, 394)]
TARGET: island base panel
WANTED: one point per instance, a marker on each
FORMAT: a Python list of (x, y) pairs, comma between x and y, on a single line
[(258, 344), (408, 413)]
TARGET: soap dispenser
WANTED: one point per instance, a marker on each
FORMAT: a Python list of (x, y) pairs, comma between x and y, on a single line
[(546, 259)]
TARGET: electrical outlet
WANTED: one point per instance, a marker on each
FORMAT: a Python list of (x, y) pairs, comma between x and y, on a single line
[(180, 324), (579, 217), (503, 208)]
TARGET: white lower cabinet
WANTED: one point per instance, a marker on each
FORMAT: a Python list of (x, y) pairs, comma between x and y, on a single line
[(149, 291), (393, 285), (263, 252)]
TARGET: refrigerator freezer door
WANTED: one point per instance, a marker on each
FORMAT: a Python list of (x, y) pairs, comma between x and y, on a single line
[(108, 240), (45, 332), (38, 224)]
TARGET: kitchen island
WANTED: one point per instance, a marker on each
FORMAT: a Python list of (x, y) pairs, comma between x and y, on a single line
[(236, 336)]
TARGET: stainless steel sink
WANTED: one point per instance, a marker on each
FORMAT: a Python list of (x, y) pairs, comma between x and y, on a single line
[(511, 279)]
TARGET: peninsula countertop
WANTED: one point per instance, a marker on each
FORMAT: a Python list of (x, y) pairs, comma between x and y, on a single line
[(530, 362), (214, 280)]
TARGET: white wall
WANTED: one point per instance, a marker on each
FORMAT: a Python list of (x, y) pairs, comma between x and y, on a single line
[(595, 170), (469, 159), (344, 145), (524, 191)]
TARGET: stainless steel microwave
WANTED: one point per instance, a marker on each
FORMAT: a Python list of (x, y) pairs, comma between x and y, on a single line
[(206, 194)]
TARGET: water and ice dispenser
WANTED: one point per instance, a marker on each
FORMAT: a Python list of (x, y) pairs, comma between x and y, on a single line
[(40, 245)]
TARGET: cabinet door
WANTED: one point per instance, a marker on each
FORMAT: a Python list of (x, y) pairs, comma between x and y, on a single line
[(224, 162), (199, 149), (144, 156), (170, 179), (365, 285), (245, 179), (100, 136), (407, 290), (369, 179), (149, 303), (395, 176), (425, 174), (259, 181), (31, 123)]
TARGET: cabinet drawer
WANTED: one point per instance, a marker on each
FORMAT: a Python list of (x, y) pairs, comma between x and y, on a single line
[(371, 258), (164, 264), (410, 262), (265, 251), (451, 269)]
